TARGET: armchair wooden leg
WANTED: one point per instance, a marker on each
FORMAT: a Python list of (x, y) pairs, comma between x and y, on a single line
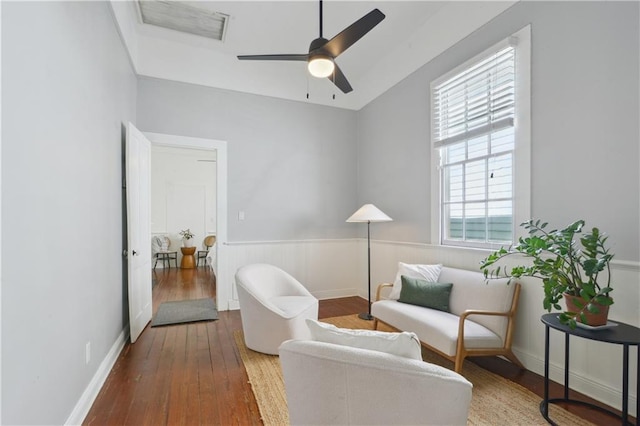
[(458, 363), (375, 323)]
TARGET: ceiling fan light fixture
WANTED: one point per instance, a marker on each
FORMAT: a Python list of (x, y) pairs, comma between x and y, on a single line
[(321, 66)]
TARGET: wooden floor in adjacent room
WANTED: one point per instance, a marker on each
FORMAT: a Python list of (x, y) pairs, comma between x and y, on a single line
[(192, 374)]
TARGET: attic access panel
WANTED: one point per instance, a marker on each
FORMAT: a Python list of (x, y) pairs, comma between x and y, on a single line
[(184, 17)]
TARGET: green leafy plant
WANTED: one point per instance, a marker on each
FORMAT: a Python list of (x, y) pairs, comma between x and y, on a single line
[(187, 234), (568, 260)]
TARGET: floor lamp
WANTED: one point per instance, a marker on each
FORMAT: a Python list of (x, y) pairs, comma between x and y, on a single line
[(368, 213)]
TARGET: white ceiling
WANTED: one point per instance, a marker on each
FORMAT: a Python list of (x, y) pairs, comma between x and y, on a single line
[(412, 33)]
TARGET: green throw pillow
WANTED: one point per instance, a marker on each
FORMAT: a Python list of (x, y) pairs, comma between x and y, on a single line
[(424, 293)]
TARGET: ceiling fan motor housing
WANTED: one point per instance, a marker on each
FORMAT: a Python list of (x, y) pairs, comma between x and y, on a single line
[(320, 62), (316, 47)]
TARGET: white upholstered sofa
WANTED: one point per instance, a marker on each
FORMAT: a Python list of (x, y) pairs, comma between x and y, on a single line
[(273, 307), (331, 384), (480, 320)]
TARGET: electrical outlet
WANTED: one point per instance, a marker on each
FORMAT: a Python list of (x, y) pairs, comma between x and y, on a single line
[(87, 353), (241, 215)]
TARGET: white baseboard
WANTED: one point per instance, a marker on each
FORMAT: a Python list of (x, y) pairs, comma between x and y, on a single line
[(334, 294), (585, 385), (89, 395)]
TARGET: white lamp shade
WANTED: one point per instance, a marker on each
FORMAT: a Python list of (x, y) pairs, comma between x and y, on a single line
[(369, 213)]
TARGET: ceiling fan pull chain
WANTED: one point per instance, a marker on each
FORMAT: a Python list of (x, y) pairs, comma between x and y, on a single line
[(334, 82)]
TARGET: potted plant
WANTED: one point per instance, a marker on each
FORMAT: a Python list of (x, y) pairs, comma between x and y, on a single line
[(573, 264), (187, 237)]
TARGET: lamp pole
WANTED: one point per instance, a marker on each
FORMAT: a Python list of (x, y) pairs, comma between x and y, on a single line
[(367, 316), (368, 213)]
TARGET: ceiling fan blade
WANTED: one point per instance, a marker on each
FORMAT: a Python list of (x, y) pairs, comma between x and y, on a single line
[(353, 33), (283, 57), (340, 80)]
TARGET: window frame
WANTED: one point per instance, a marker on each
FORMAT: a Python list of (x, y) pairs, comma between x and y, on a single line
[(521, 177)]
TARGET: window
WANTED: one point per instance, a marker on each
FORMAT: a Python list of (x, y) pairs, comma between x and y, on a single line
[(480, 136)]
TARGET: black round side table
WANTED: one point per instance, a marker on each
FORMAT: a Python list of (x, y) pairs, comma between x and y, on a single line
[(621, 334)]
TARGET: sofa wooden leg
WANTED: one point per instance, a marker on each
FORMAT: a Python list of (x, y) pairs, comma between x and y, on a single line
[(514, 360)]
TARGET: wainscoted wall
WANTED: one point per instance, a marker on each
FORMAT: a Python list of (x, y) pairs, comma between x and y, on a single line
[(596, 368), (338, 268), (325, 267)]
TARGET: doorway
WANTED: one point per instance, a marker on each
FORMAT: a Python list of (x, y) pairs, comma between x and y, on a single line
[(223, 283), (183, 197)]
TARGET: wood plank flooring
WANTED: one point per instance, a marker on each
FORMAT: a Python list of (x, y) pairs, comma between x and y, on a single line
[(192, 374)]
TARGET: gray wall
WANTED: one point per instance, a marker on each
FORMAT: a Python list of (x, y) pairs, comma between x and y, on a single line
[(291, 164), (585, 130), (67, 87)]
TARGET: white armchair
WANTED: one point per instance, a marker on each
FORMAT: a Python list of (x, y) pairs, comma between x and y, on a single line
[(273, 307), (328, 384)]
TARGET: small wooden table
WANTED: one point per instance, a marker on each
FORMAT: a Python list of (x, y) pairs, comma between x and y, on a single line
[(188, 259)]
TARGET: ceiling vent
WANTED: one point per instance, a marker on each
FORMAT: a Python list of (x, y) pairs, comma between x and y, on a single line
[(184, 17)]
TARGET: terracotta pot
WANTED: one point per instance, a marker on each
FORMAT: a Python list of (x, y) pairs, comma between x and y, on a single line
[(591, 319)]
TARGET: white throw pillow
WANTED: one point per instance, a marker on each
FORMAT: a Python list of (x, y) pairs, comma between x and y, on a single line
[(424, 272), (405, 344)]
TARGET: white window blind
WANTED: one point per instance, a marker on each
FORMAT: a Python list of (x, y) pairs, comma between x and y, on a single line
[(473, 129), (476, 101)]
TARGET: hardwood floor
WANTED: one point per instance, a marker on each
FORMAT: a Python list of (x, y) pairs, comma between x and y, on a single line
[(192, 374)]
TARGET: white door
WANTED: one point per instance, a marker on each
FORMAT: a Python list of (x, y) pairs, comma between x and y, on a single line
[(138, 181)]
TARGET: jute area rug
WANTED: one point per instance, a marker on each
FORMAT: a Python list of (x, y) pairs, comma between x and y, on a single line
[(495, 400)]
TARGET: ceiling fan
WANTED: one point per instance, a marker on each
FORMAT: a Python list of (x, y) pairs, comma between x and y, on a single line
[(323, 52)]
